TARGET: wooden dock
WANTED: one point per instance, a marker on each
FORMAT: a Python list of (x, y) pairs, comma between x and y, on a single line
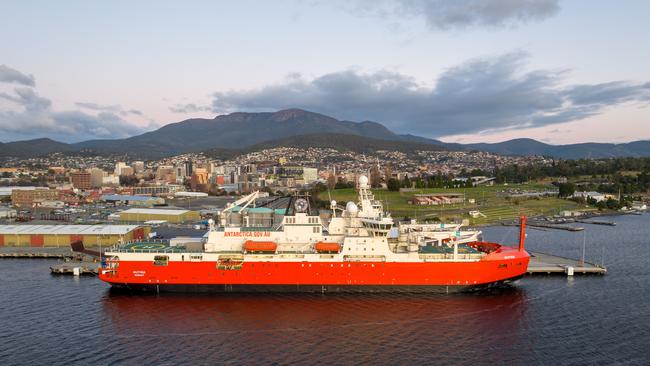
[(542, 263)]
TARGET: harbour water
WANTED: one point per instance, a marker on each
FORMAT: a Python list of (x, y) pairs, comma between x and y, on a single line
[(556, 320)]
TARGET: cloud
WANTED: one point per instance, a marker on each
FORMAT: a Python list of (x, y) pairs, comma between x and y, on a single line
[(34, 117), (9, 75), (478, 96), (458, 14), (189, 108), (115, 108), (99, 107)]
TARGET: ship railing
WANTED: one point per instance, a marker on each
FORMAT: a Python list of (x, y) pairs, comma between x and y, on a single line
[(161, 251)]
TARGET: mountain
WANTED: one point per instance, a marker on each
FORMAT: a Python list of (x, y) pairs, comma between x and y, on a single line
[(235, 131), (571, 151), (355, 143), (29, 148), (295, 127)]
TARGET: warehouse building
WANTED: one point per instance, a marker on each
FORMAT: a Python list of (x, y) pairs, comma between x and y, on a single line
[(7, 213), (145, 201), (28, 197), (148, 214), (64, 235), (435, 199)]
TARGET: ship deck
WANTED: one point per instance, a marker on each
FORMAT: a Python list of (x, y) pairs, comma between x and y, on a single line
[(443, 249), (151, 246)]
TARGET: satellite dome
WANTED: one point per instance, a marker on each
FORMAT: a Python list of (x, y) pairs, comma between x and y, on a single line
[(363, 180), (351, 208)]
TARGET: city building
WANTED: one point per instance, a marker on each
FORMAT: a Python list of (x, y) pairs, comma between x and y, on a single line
[(81, 180), (25, 198), (148, 214), (111, 180), (7, 213), (127, 171), (64, 235), (57, 169), (187, 165), (138, 166), (7, 191), (435, 199), (166, 173), (200, 180), (96, 177), (118, 168), (161, 190), (591, 195)]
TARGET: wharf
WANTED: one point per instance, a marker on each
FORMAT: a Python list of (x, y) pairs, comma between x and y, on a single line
[(542, 263), (610, 223), (555, 226), (32, 252), (75, 268)]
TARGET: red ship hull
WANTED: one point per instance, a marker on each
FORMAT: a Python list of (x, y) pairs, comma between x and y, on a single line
[(495, 269)]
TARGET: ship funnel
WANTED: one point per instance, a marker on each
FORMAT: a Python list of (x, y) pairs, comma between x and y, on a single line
[(522, 233)]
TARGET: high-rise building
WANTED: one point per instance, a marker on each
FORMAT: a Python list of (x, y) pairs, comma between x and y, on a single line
[(200, 180), (127, 170), (138, 166), (188, 168), (81, 180), (166, 173), (119, 166), (96, 177)]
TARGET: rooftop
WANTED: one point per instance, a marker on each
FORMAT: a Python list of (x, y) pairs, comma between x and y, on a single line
[(153, 211), (67, 229), (122, 197)]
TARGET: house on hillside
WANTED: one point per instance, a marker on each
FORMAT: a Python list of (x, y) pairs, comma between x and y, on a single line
[(435, 199), (591, 194)]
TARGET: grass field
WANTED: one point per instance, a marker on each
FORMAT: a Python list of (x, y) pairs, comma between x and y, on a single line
[(496, 208)]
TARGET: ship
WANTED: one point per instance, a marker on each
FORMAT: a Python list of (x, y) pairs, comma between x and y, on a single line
[(358, 248)]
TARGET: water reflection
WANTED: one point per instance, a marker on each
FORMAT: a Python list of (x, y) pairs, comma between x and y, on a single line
[(333, 328)]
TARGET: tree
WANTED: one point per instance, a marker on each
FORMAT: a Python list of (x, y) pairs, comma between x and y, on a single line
[(331, 181), (566, 189), (375, 178), (406, 183), (393, 184)]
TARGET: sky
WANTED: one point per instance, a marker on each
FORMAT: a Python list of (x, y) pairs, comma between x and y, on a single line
[(459, 70)]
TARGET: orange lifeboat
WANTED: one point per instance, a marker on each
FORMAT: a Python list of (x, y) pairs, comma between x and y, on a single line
[(260, 246), (322, 247)]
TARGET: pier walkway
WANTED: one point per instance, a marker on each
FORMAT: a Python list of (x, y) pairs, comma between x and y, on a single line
[(542, 263)]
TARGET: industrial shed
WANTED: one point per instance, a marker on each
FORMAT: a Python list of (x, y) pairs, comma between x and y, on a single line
[(63, 235), (133, 200), (148, 214)]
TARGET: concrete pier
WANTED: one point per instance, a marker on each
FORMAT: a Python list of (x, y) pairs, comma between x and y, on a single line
[(33, 252), (75, 268), (542, 263)]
